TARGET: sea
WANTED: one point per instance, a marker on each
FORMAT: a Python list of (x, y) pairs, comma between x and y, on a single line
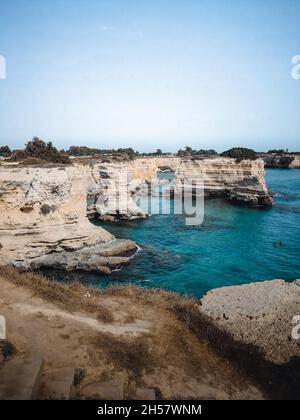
[(233, 246)]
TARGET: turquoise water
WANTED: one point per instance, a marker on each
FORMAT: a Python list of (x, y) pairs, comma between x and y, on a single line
[(233, 246)]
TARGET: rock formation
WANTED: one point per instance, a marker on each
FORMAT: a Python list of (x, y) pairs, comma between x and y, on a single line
[(295, 164), (120, 182), (241, 183), (44, 224), (283, 160), (43, 209), (258, 315)]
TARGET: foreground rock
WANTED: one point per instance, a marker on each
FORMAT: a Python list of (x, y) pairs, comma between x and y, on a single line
[(259, 315), (253, 326), (44, 223), (99, 258)]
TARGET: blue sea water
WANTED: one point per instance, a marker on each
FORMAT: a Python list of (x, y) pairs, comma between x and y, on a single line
[(234, 245)]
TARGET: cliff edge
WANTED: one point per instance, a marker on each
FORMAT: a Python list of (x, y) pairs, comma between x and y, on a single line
[(44, 223)]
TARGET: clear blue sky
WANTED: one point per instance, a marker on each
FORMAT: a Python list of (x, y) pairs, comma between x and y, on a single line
[(150, 74)]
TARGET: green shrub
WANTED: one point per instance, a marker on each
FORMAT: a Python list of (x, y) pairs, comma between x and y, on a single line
[(240, 153)]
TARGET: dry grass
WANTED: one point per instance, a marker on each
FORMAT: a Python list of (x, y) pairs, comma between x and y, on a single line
[(32, 161), (175, 345), (70, 297), (126, 353)]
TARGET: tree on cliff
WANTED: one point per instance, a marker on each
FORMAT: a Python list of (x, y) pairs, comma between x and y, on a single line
[(83, 151), (5, 151), (240, 153), (37, 148), (191, 152)]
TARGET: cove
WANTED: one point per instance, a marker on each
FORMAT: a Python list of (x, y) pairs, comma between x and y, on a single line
[(234, 245)]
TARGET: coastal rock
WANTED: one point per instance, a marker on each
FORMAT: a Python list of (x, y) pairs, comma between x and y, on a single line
[(93, 259), (116, 186), (258, 315), (241, 183), (110, 187), (295, 164), (281, 161), (44, 220)]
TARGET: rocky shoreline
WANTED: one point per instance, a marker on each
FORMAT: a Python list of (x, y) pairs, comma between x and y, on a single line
[(241, 183), (44, 217), (44, 224), (281, 161)]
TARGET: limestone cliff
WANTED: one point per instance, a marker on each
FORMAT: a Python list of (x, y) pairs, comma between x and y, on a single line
[(282, 161), (295, 164), (119, 182), (43, 209), (43, 219), (241, 183)]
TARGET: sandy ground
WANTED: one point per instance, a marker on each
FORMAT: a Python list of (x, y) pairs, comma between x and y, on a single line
[(145, 345)]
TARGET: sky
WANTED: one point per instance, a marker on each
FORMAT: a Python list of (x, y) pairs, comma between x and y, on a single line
[(150, 74)]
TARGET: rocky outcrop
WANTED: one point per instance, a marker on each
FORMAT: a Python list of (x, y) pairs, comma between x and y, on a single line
[(281, 161), (295, 164), (258, 316), (114, 185), (43, 209), (241, 183), (111, 186), (44, 223)]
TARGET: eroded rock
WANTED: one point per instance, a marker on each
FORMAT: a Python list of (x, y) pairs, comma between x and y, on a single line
[(258, 315), (44, 222)]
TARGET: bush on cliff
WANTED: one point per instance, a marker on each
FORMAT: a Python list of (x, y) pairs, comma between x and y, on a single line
[(80, 151), (40, 152), (83, 151), (5, 151), (188, 151), (240, 153), (37, 148)]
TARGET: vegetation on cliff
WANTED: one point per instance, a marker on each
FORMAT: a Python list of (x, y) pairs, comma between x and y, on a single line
[(240, 153), (188, 151), (42, 151), (5, 151)]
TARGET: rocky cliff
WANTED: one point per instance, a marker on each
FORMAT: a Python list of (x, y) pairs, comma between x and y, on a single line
[(114, 185), (285, 161), (295, 164), (43, 209), (242, 183), (44, 224)]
